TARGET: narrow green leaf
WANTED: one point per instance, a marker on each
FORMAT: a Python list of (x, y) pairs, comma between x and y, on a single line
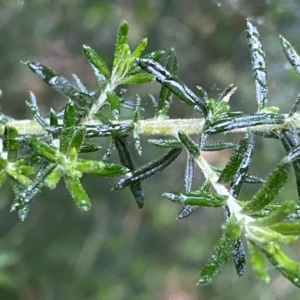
[(121, 43), (269, 189), (25, 196), (96, 61), (137, 79), (69, 114), (99, 168), (257, 262), (32, 105), (140, 48), (42, 149), (289, 268), (77, 192), (189, 144), (217, 146), (162, 143), (258, 65), (239, 257), (83, 103), (114, 102), (148, 170), (287, 228), (57, 82), (198, 198), (127, 161), (290, 53), (89, 147), (108, 130), (243, 121), (10, 143), (218, 259), (243, 149), (277, 215), (54, 177), (78, 138), (165, 96), (165, 78)]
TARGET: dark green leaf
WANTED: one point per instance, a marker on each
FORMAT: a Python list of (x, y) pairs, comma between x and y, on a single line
[(240, 158), (295, 106), (244, 121), (239, 256), (10, 143), (189, 144), (217, 146), (108, 130), (148, 170), (258, 65), (218, 259), (165, 143), (24, 197), (291, 54), (165, 96), (57, 82), (127, 161)]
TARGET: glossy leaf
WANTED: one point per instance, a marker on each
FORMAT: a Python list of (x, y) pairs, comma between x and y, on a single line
[(240, 158), (217, 146), (163, 143), (258, 65), (108, 130), (32, 105), (197, 198), (165, 96), (148, 170), (165, 78), (291, 54), (189, 144), (269, 189), (217, 261), (244, 121), (25, 196), (79, 84), (239, 256), (127, 161), (295, 106), (57, 82)]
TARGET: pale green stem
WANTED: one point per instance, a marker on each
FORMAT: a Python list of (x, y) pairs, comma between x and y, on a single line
[(163, 127)]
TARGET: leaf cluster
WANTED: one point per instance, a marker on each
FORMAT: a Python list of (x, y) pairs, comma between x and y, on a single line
[(31, 163)]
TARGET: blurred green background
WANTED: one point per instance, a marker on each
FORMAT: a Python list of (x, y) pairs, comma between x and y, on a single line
[(115, 251)]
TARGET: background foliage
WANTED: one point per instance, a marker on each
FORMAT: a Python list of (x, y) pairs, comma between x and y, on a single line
[(116, 251)]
